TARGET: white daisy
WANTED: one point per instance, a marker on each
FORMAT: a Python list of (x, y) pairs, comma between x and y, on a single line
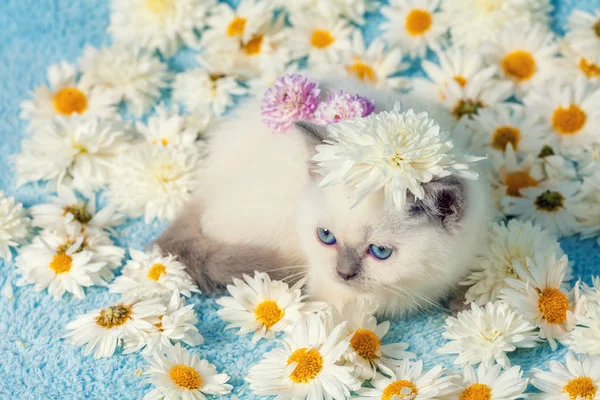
[(64, 97), (492, 383), (354, 10), (102, 330), (264, 307), (240, 24), (583, 33), (162, 25), (569, 111), (14, 225), (592, 292), (179, 374), (366, 353), (153, 181), (410, 382), (585, 337), (414, 26), (78, 152), (307, 364), (578, 378), (390, 150), (539, 298), (152, 274), (199, 91), (575, 65), (135, 77), (551, 204), (103, 250), (167, 128), (486, 334), (512, 242)]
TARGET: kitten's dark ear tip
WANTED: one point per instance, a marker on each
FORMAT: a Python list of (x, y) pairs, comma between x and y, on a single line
[(315, 131), (445, 200)]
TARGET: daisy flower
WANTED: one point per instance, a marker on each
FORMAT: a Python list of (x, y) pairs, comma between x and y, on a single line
[(78, 152), (551, 205), (179, 374), (292, 98), (239, 24), (103, 250), (409, 381), (592, 293), (583, 34), (14, 225), (414, 26), (152, 274), (64, 97), (167, 128), (153, 181), (162, 25), (397, 151), (512, 242), (585, 337), (200, 91), (569, 111), (135, 77), (264, 307), (575, 65), (539, 298), (343, 106), (578, 378), (307, 365), (486, 334), (492, 383), (102, 330)]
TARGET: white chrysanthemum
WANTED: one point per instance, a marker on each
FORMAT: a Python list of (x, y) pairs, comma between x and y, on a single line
[(167, 128), (569, 111), (264, 307), (102, 330), (133, 76), (153, 181), (578, 378), (592, 292), (473, 22), (390, 150), (574, 65), (366, 353), (585, 337), (551, 205), (177, 324), (492, 383), (238, 25), (539, 298), (68, 214), (508, 243), (200, 91), (486, 334), (307, 365), (414, 26), (179, 374), (162, 25), (103, 250), (583, 33), (410, 382), (64, 97), (78, 152), (153, 274), (14, 225)]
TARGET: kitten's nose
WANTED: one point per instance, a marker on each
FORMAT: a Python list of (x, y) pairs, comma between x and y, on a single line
[(346, 275)]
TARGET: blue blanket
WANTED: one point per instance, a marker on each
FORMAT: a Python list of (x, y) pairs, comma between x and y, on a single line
[(35, 363)]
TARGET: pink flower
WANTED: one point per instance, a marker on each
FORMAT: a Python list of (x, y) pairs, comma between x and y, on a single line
[(341, 106)]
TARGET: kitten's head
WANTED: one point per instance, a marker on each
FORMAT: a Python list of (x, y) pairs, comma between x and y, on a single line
[(401, 259)]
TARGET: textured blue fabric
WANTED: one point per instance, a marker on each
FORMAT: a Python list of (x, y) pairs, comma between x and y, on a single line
[(35, 363)]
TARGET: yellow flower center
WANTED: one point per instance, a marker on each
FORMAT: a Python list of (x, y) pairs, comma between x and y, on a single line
[(466, 107), (166, 173), (321, 38), (418, 22), (519, 64), (568, 121), (590, 70), (401, 388), (580, 388), (362, 71), (518, 180), (597, 28), (268, 313), (156, 271), (160, 7), (366, 343), (236, 26), (310, 363), (61, 263), (70, 100), (477, 391), (185, 377), (162, 141), (549, 201), (503, 135), (81, 214), (254, 46), (113, 316), (553, 305), (461, 80)]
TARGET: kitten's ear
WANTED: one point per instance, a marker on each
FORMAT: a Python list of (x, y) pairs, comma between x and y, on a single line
[(315, 132), (445, 200)]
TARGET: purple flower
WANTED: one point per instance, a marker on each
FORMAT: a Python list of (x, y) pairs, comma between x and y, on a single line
[(292, 98), (343, 105)]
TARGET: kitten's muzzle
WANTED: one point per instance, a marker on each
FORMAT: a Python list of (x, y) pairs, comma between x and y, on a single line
[(349, 263)]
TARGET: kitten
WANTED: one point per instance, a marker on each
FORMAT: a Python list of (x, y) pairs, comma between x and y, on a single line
[(259, 207)]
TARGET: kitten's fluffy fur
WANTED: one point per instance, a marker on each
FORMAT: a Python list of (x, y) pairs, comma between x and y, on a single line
[(259, 207)]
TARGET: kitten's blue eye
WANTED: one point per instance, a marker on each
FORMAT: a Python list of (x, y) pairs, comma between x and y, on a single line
[(325, 236), (380, 252)]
